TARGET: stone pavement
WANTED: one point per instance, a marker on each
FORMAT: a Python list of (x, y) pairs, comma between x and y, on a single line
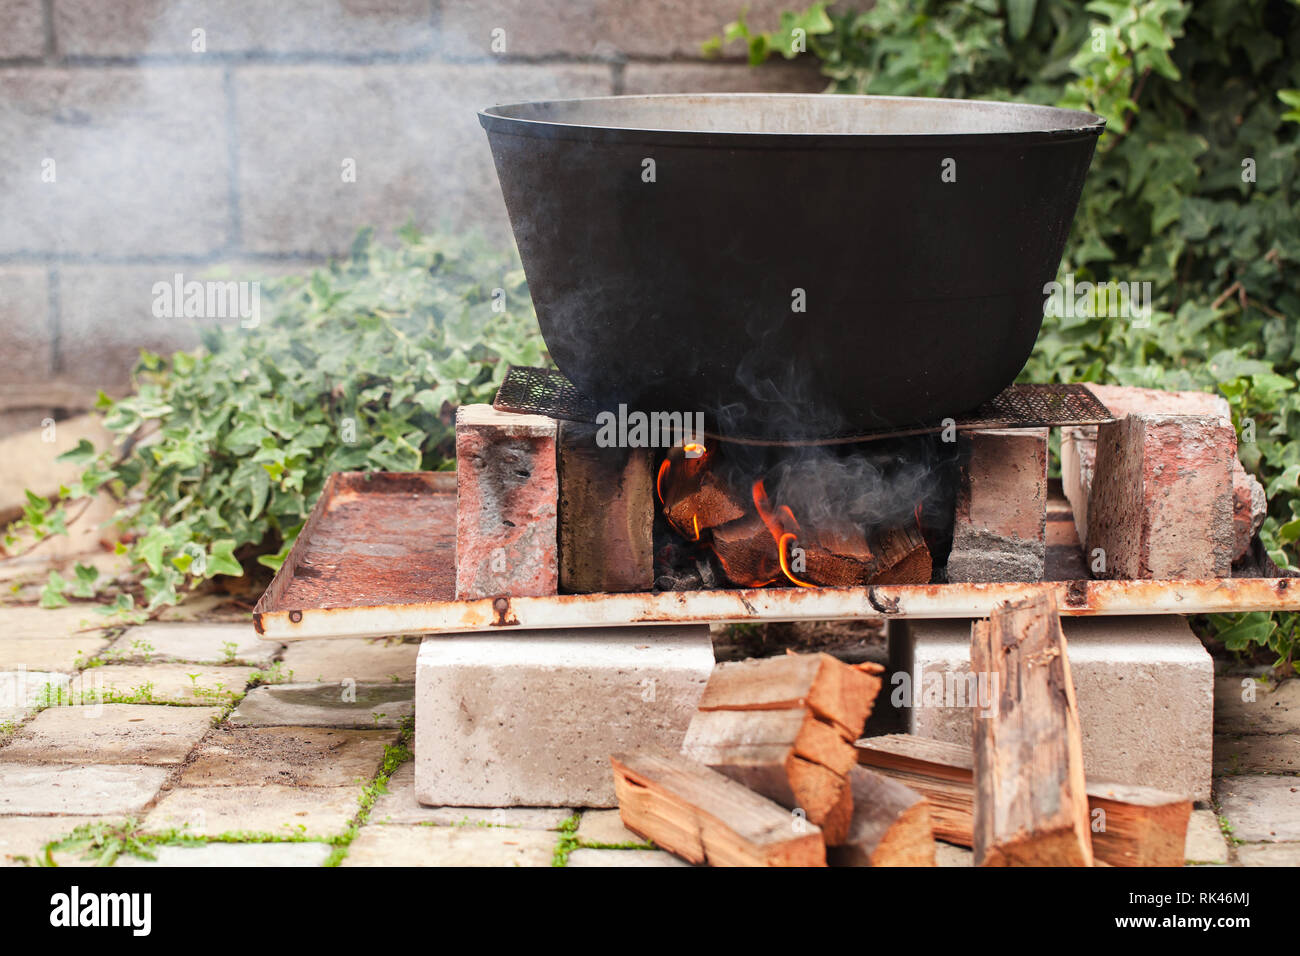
[(300, 756)]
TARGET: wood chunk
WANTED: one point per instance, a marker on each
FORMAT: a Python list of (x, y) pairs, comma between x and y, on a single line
[(1142, 826), (789, 756), (831, 689), (704, 817), (747, 552), (890, 825), (695, 496), (904, 557), (1031, 808)]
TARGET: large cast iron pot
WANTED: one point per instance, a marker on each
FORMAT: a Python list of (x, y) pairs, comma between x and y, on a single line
[(793, 266)]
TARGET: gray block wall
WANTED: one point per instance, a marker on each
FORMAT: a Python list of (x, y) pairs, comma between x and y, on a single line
[(177, 151)]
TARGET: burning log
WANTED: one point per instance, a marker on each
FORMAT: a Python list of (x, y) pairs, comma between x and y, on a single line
[(848, 559), (890, 825), (746, 552), (695, 496), (704, 817), (1140, 826)]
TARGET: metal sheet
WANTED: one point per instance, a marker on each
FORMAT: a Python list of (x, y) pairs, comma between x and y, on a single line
[(377, 557)]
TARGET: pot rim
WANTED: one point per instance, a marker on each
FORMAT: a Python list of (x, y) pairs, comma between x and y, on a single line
[(1059, 124)]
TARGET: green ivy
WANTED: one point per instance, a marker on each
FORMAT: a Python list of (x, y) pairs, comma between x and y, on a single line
[(1193, 93), (220, 452)]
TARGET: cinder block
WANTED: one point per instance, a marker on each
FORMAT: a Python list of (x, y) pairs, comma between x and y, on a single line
[(1001, 515), (1144, 685), (22, 29), (507, 493), (606, 520), (1161, 499), (530, 718)]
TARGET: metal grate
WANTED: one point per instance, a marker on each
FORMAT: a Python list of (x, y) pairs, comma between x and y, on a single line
[(540, 391)]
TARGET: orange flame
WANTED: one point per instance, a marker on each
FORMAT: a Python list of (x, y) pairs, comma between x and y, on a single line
[(778, 522), (659, 481), (785, 564)]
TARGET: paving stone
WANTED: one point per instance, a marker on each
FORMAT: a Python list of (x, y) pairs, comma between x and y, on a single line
[(1257, 753), (1205, 840), (1261, 809), (585, 858), (21, 690), (364, 706), (92, 788), (399, 806), (64, 654), (1161, 501), (234, 854), (1001, 515), (295, 756), (194, 642), (358, 659), (1269, 854), (128, 28), (605, 827), (1243, 705), (1143, 684), (266, 808), (450, 846), (22, 29), (574, 698), (23, 838), (722, 78), (77, 621), (101, 127), (669, 29), (112, 733), (395, 122), (507, 488), (945, 854), (171, 683)]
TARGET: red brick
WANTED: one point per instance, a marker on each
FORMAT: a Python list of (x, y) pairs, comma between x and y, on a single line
[(507, 492), (1248, 508), (1161, 499), (1129, 399), (1001, 515), (606, 520)]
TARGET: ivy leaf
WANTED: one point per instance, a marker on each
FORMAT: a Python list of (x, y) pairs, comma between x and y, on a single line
[(52, 593), (221, 559)]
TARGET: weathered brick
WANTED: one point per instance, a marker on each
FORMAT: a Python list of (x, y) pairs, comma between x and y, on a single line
[(28, 355), (576, 697), (135, 27), (140, 161), (412, 132), (1001, 515), (1145, 688), (506, 504), (606, 516), (1078, 462), (22, 29), (1125, 400), (1161, 500), (670, 28), (796, 77)]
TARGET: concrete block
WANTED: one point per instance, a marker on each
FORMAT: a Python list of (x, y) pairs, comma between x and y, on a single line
[(1144, 685), (530, 718), (1001, 514), (22, 29), (606, 517), (507, 493), (1161, 500)]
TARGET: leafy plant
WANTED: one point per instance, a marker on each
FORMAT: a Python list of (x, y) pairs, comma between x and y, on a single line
[(1193, 189), (220, 452)]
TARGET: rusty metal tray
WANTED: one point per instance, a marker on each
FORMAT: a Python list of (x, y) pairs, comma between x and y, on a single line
[(378, 557)]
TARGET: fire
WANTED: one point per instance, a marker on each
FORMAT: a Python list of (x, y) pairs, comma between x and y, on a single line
[(785, 563), (781, 525)]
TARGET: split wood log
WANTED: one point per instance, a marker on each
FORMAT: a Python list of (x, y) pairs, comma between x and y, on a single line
[(695, 495), (1138, 826), (704, 817), (904, 557), (746, 551), (789, 756), (890, 825), (838, 693), (1031, 807)]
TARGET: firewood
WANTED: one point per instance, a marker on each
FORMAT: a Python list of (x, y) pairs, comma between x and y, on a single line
[(890, 825), (903, 556), (696, 496), (789, 756), (1141, 826), (747, 552), (704, 817), (837, 557), (1031, 808), (839, 693)]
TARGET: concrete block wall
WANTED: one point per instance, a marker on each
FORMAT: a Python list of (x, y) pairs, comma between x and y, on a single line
[(173, 150)]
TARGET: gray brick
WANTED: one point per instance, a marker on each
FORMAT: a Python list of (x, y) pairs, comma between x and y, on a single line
[(134, 27), (24, 326), (413, 133), (22, 28), (669, 28), (796, 77), (140, 161)]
